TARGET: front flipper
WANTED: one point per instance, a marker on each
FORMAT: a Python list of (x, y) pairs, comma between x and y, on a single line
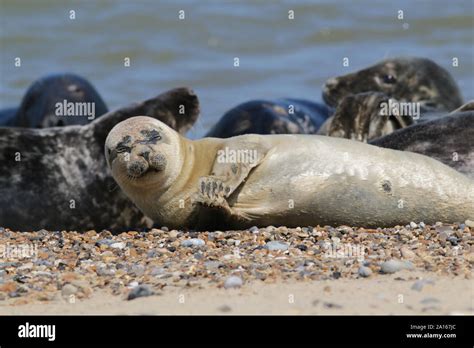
[(232, 166)]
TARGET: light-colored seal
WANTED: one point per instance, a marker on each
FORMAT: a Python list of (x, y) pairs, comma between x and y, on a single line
[(57, 178), (407, 79), (290, 180)]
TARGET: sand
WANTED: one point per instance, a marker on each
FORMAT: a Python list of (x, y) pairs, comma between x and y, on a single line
[(418, 269)]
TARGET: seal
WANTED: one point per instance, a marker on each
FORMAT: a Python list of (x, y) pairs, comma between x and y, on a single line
[(57, 178), (39, 106), (281, 116), (290, 180), (358, 117), (449, 139), (405, 79)]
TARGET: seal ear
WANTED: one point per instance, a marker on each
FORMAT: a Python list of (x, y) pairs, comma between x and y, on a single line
[(177, 108)]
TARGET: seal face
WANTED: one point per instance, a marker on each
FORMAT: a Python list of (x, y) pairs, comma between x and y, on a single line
[(289, 180), (281, 116), (48, 100), (405, 79), (57, 178)]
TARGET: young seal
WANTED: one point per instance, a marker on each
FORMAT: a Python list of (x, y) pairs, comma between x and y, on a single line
[(449, 139), (290, 180), (38, 108), (405, 79), (282, 116), (57, 178)]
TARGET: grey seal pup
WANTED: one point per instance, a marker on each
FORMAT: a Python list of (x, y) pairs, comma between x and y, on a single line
[(57, 178), (290, 180)]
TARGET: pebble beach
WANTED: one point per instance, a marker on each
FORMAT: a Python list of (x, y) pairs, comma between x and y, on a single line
[(413, 269)]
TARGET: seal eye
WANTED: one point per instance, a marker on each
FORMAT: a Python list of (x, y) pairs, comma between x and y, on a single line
[(389, 79), (121, 149)]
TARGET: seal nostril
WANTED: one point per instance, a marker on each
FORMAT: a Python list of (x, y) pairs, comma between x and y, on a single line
[(158, 162), (145, 154), (136, 168)]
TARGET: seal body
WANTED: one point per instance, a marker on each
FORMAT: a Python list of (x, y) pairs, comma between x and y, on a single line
[(290, 180), (281, 116), (57, 178), (404, 79), (41, 104), (449, 139)]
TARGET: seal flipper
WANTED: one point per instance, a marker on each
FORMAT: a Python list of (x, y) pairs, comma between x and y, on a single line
[(227, 174)]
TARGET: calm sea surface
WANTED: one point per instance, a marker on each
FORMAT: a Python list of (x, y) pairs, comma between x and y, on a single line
[(278, 57)]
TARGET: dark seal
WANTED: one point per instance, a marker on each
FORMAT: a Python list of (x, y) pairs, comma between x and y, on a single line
[(405, 79), (39, 106), (57, 178), (359, 117), (448, 139), (282, 116)]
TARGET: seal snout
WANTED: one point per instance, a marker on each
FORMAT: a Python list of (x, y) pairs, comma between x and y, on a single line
[(143, 162), (158, 162), (136, 168)]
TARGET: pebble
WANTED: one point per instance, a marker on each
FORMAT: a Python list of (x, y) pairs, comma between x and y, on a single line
[(469, 223), (140, 291), (407, 253), (413, 225), (193, 242), (276, 245), (212, 264), (447, 230), (118, 245), (393, 266), (422, 224), (225, 309), (233, 282), (428, 300), (420, 283), (173, 234), (68, 290), (253, 229), (105, 242), (137, 269), (443, 236), (453, 240), (302, 247), (364, 271)]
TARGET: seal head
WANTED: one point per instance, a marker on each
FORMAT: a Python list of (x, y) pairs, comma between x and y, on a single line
[(405, 79), (139, 152)]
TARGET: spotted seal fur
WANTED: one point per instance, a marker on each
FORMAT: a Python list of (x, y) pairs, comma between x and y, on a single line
[(57, 178)]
